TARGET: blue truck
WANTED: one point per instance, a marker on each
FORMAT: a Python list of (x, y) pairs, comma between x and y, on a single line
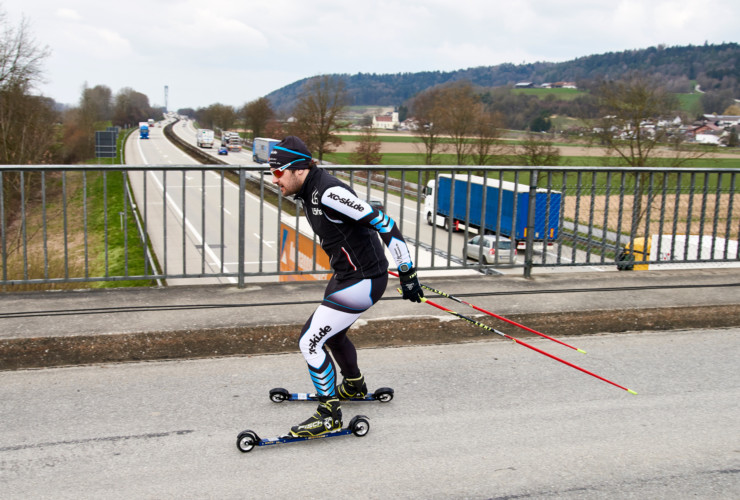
[(143, 130), (513, 197), (261, 149)]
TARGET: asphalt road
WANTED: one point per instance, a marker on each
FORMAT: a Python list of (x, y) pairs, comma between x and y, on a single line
[(489, 419), (194, 234)]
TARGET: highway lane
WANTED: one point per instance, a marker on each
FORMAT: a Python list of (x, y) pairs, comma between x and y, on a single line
[(407, 220), (192, 230), (407, 216), (487, 419)]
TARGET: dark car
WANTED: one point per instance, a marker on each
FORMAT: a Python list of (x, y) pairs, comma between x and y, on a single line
[(223, 150)]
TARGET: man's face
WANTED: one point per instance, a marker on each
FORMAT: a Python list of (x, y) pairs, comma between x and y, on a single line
[(290, 182)]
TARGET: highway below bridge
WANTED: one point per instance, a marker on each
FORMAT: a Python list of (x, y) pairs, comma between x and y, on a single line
[(185, 224)]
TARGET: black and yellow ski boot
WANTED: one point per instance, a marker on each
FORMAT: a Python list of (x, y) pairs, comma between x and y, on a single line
[(328, 417), (352, 388)]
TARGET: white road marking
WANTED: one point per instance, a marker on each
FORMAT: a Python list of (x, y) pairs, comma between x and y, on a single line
[(196, 234)]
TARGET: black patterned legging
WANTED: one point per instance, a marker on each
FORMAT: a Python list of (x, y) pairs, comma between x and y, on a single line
[(344, 302)]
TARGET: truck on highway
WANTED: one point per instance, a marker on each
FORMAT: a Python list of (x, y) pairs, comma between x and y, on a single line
[(143, 130), (261, 149), (514, 202), (204, 138), (232, 141), (675, 249)]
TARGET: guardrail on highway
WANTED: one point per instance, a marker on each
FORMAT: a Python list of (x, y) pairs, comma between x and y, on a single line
[(71, 224)]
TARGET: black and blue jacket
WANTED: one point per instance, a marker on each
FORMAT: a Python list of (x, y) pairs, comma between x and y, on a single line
[(348, 228)]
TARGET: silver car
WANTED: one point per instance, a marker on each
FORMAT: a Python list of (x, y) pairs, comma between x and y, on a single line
[(506, 250)]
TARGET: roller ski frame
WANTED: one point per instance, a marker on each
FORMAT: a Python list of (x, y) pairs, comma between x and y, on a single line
[(248, 439), (278, 395)]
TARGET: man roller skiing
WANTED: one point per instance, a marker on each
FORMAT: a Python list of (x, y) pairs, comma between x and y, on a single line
[(348, 229)]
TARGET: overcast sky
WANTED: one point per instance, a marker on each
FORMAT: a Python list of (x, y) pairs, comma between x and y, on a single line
[(235, 51)]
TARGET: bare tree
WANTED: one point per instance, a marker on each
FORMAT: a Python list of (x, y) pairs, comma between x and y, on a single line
[(96, 103), (216, 116), (320, 103), (130, 107), (257, 114), (631, 130), (26, 121), (458, 120), (536, 152), (20, 57), (631, 109), (486, 142), (427, 110), (367, 151), (27, 125)]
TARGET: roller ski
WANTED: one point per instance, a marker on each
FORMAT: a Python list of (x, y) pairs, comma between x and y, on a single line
[(278, 395), (326, 422), (247, 440), (349, 390)]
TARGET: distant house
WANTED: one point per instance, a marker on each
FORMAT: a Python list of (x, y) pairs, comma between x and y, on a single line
[(706, 133), (706, 128), (386, 122), (564, 85), (410, 124), (723, 120), (524, 85)]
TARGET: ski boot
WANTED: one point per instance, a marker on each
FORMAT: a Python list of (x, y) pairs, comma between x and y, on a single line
[(352, 388), (328, 418)]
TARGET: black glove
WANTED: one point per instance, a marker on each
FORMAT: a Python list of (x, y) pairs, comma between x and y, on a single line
[(410, 285)]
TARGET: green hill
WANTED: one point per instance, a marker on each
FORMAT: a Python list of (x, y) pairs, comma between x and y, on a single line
[(713, 67)]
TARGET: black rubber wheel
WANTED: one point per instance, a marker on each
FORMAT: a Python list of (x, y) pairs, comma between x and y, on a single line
[(360, 425), (278, 395), (429, 218), (384, 394), (246, 441)]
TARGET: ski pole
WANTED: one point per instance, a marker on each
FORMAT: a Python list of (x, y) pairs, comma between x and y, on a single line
[(486, 327), (456, 299)]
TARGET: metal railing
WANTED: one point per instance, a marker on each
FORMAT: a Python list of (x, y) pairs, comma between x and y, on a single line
[(150, 224)]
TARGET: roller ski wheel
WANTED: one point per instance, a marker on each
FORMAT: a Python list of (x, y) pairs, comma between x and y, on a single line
[(278, 395), (247, 440)]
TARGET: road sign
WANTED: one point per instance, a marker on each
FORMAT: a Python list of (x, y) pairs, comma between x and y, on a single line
[(105, 144)]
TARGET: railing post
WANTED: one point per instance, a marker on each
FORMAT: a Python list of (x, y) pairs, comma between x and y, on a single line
[(529, 249), (241, 218)]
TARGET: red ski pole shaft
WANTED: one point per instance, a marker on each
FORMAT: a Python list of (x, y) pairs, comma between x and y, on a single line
[(456, 299), (486, 327)]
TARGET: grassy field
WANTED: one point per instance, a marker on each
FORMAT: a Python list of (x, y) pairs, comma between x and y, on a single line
[(689, 102), (56, 246)]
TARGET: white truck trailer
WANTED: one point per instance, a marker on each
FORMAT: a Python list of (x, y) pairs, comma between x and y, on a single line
[(204, 138), (261, 149)]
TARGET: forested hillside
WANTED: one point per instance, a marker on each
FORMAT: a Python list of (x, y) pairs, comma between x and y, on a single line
[(713, 67)]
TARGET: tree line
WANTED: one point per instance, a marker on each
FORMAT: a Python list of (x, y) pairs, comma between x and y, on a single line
[(467, 121), (716, 68)]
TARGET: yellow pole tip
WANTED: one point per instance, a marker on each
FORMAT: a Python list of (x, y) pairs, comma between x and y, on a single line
[(631, 392), (582, 351)]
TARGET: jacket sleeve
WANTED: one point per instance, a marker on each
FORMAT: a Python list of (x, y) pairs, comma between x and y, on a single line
[(343, 206)]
